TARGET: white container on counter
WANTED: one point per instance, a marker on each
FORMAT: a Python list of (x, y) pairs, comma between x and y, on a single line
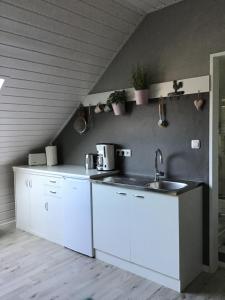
[(51, 155)]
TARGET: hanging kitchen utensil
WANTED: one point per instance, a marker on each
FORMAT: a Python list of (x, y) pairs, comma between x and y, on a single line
[(80, 123), (164, 122), (90, 117), (99, 108), (199, 102), (160, 122)]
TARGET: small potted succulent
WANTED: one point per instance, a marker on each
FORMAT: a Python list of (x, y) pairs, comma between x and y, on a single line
[(117, 99), (140, 83)]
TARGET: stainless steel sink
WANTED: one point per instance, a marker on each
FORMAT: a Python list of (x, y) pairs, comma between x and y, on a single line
[(148, 184), (166, 185), (127, 180)]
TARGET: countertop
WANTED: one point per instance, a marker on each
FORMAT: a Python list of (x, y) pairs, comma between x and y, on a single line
[(67, 170)]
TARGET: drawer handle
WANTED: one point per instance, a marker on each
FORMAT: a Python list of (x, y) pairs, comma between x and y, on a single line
[(139, 196), (52, 192), (46, 206), (52, 181), (121, 193)]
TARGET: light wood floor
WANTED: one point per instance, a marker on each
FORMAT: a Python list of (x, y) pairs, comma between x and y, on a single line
[(33, 268)]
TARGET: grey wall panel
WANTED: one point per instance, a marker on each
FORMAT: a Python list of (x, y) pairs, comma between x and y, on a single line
[(173, 43), (139, 131)]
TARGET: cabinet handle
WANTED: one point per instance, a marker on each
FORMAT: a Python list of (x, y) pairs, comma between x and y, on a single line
[(26, 182), (52, 181), (46, 206), (121, 193), (139, 196), (52, 192), (30, 183)]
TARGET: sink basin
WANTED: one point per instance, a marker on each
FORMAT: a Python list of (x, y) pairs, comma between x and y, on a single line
[(126, 180), (166, 185), (146, 183)]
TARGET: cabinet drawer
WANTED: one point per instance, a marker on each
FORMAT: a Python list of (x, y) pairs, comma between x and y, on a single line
[(52, 181), (52, 191)]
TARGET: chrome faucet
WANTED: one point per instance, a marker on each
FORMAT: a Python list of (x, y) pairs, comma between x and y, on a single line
[(158, 173)]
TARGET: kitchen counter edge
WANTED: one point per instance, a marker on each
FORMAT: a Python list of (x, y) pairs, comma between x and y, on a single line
[(66, 170)]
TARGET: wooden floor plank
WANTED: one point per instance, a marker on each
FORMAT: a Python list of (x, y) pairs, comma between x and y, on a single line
[(33, 268)]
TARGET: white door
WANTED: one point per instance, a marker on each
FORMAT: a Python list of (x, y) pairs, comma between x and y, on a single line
[(111, 215), (77, 225), (54, 218), (155, 232), (22, 201), (38, 212)]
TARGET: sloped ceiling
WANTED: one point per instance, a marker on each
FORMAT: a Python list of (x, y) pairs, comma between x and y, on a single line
[(52, 52)]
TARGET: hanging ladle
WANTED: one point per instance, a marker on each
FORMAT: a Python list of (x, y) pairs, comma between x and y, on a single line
[(164, 122), (160, 122)]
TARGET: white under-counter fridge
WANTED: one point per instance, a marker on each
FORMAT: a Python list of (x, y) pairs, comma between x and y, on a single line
[(77, 211)]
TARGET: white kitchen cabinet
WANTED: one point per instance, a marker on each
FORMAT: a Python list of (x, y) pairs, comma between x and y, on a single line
[(39, 205), (111, 220), (38, 216), (22, 181), (55, 206), (154, 232), (155, 235), (77, 215), (54, 222)]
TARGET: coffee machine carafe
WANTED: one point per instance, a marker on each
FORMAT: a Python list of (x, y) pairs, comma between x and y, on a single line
[(106, 157)]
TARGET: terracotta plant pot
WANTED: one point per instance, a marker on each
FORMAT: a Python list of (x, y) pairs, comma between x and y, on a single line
[(118, 109), (141, 97)]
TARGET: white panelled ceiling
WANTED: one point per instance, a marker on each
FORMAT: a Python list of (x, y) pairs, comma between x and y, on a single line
[(52, 52)]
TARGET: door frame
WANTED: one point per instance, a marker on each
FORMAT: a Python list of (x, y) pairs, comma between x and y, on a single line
[(213, 159)]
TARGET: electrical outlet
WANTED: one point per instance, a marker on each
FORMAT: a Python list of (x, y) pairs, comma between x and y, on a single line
[(195, 144), (123, 152)]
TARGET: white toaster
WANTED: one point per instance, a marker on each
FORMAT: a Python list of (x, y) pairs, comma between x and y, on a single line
[(37, 159)]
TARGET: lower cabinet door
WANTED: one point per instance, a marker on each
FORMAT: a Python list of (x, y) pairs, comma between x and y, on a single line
[(22, 201), (111, 220), (54, 224), (77, 220), (38, 207), (155, 232)]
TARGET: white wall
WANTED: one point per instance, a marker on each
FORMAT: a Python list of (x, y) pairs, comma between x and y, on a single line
[(51, 54)]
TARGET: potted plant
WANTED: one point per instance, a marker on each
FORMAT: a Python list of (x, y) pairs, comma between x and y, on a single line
[(117, 99), (141, 85)]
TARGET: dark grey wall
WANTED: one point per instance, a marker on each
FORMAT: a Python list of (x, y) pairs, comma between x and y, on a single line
[(139, 131), (174, 43)]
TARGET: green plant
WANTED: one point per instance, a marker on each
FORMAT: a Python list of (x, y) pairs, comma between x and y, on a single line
[(139, 78), (117, 97)]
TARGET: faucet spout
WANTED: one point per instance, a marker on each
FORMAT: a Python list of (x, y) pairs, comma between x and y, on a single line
[(158, 173)]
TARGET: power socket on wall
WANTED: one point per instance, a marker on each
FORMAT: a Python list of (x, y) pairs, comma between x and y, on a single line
[(123, 152)]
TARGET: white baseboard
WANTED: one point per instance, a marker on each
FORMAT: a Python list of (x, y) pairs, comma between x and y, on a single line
[(159, 278)]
